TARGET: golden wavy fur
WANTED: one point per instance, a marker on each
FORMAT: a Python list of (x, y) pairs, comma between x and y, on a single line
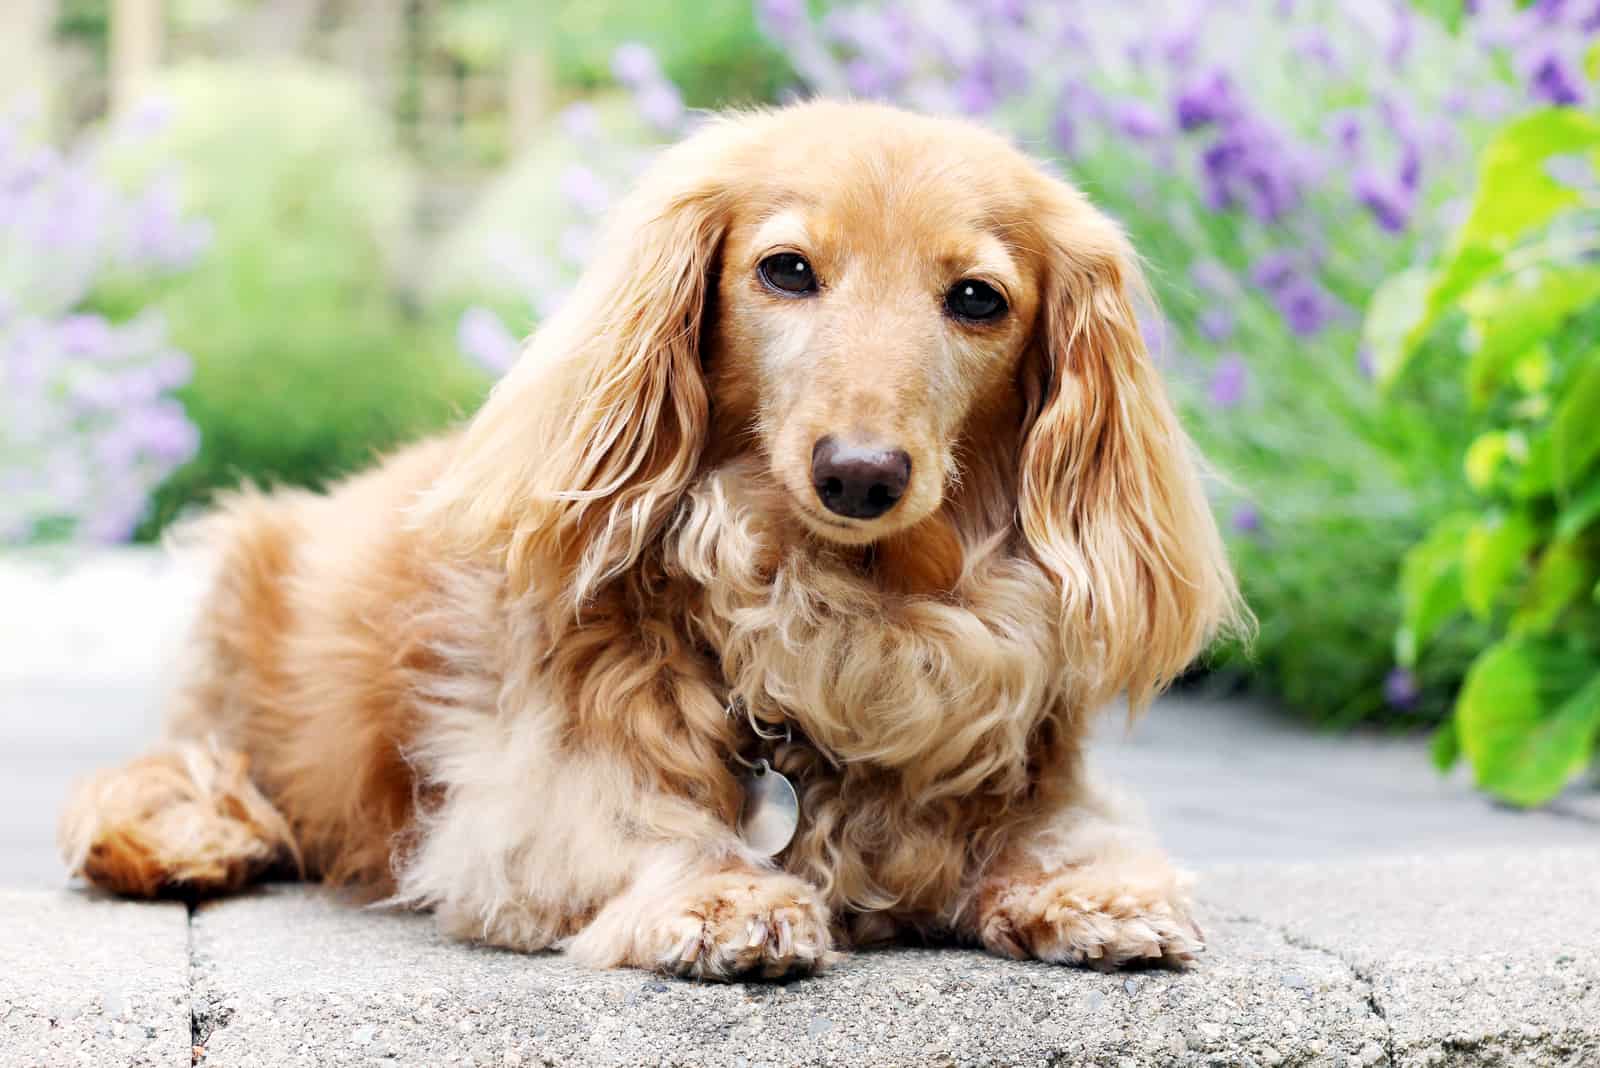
[(505, 675)]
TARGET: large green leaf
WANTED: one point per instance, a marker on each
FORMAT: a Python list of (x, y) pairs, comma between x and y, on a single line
[(1575, 430), (1393, 312), (1514, 315), (1515, 193), (1430, 585), (1515, 196), (1493, 553), (1564, 571), (1580, 511), (1527, 718)]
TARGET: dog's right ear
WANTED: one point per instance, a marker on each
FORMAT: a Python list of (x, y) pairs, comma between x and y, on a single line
[(581, 452)]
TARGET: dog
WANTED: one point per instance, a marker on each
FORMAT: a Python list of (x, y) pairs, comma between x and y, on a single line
[(845, 463)]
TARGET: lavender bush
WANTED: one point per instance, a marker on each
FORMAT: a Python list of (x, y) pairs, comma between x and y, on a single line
[(1275, 160), (88, 423)]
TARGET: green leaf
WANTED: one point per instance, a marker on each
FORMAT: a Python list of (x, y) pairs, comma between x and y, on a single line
[(1563, 572), (1513, 317), (1575, 430), (1515, 196), (1484, 457), (1445, 749), (1393, 312), (1430, 585), (1448, 12), (1582, 510), (1527, 718), (1494, 551)]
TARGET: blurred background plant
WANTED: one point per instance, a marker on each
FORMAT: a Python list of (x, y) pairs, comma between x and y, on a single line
[(393, 185), (88, 422)]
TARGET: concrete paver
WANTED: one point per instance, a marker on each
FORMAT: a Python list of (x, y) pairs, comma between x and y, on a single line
[(85, 980), (1484, 958), (291, 977)]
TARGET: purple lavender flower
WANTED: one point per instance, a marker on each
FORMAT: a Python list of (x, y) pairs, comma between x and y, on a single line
[(1400, 689), (482, 336), (1247, 519), (584, 190), (782, 19), (661, 105), (1229, 380), (1305, 306), (1553, 82), (1389, 202), (1216, 324), (1138, 120), (1210, 99), (635, 65)]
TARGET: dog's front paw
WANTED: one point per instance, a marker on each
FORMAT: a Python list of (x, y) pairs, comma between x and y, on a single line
[(737, 924), (1102, 915)]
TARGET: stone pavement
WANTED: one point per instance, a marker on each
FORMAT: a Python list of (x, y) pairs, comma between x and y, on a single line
[(1361, 911)]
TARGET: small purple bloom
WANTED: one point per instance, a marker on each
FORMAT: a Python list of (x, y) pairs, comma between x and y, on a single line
[(1216, 324), (1390, 203), (1305, 307), (1365, 364), (1273, 271), (1138, 120), (1400, 689), (1553, 82), (635, 65), (482, 336), (781, 18), (1247, 519), (1229, 379), (661, 105), (584, 190), (1208, 100), (581, 121)]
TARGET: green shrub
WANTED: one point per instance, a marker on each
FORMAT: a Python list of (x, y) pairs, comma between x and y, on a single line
[(307, 360), (1514, 306)]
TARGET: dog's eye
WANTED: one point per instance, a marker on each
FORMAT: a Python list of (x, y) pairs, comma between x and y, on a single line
[(788, 272), (975, 301)]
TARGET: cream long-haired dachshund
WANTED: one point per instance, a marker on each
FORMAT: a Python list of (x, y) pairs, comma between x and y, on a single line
[(846, 457)]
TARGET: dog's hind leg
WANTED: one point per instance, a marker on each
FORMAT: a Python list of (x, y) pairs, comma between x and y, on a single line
[(183, 821)]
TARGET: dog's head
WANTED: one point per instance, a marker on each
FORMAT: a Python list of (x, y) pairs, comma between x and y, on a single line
[(881, 309)]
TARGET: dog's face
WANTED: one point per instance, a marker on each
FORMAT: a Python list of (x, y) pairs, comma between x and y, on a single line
[(877, 308), (874, 305)]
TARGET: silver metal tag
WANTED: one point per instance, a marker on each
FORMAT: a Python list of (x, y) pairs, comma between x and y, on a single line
[(771, 811)]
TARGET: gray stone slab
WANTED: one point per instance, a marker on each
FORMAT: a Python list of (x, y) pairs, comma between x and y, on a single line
[(293, 977), (89, 981), (1480, 959)]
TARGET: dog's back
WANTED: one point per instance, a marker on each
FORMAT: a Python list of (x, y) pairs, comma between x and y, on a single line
[(293, 691)]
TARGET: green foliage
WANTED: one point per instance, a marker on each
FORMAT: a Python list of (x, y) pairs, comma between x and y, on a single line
[(307, 361), (1514, 307), (712, 50)]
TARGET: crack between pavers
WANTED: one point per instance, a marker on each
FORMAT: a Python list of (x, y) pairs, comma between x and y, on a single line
[(1362, 975)]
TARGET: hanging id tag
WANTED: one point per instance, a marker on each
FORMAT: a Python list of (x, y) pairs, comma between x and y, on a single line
[(771, 810)]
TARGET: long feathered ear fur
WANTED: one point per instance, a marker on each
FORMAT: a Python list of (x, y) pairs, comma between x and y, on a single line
[(583, 449), (1110, 496)]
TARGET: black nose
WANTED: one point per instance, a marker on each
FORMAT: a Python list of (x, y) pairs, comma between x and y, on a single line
[(858, 481)]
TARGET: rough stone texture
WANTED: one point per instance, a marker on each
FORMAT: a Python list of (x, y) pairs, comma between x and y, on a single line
[(89, 981), (290, 977), (1485, 959)]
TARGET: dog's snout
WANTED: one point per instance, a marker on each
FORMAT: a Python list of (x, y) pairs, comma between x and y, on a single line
[(858, 481)]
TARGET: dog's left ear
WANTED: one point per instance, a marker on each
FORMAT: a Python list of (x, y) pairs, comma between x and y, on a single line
[(581, 452), (1110, 498)]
